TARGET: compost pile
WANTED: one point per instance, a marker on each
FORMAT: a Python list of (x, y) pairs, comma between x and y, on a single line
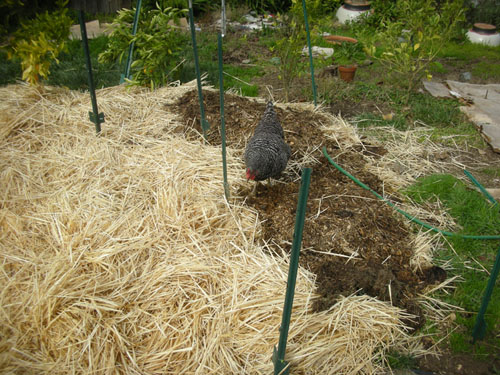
[(352, 241), (121, 255)]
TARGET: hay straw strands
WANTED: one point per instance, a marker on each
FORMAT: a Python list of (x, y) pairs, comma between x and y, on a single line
[(119, 255), (410, 154)]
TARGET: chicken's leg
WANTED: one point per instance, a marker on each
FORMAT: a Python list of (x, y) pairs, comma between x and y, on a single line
[(254, 190)]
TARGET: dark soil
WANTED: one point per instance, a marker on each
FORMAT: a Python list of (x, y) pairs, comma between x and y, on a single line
[(459, 364), (370, 240)]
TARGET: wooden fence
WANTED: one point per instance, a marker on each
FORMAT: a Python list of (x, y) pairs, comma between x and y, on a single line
[(100, 6)]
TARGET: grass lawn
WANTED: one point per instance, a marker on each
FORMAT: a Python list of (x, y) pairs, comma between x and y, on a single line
[(470, 259)]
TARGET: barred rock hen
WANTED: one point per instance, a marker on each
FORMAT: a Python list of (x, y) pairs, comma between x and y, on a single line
[(267, 154)]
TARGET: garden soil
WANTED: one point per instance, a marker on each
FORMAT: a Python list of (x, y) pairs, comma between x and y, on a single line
[(353, 242)]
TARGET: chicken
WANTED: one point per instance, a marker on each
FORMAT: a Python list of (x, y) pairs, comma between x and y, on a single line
[(266, 154)]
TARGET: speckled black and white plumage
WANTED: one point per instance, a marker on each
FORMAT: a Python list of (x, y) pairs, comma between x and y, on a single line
[(267, 154), (269, 122)]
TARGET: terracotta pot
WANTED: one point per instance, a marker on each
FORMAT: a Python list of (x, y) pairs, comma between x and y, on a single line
[(347, 72)]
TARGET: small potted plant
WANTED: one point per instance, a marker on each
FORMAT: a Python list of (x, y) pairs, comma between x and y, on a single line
[(347, 56)]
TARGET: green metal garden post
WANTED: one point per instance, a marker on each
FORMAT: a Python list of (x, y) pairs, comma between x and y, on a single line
[(310, 50), (481, 188), (480, 326), (222, 120), (94, 116), (280, 365), (204, 123), (479, 329), (131, 47)]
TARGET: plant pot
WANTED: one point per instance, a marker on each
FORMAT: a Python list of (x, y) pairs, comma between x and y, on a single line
[(347, 73), (351, 10), (483, 33)]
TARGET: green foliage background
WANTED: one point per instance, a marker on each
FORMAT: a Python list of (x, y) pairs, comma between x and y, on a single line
[(156, 45), (39, 41)]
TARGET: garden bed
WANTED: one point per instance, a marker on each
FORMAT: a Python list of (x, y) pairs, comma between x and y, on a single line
[(121, 254), (353, 242)]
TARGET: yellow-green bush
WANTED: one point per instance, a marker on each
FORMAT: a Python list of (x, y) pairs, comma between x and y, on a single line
[(38, 42)]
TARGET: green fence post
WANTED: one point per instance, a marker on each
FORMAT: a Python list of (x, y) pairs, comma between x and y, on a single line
[(480, 326), (222, 120), (131, 47), (204, 123), (94, 116), (479, 329), (310, 51), (280, 365), (483, 190)]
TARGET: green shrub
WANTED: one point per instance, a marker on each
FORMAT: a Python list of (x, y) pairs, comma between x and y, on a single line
[(349, 53), (156, 45), (39, 42), (410, 43), (289, 51), (10, 70), (199, 6), (315, 8), (384, 12), (13, 12)]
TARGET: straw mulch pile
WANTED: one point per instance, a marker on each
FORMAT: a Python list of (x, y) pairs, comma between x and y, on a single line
[(120, 255)]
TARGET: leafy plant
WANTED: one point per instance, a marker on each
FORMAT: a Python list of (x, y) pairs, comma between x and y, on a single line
[(199, 6), (383, 12), (10, 70), (289, 51), (316, 9), (13, 12), (39, 42), (409, 44), (8, 9), (349, 53), (156, 45)]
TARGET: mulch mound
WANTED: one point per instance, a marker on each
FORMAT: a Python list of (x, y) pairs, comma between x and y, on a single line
[(353, 242)]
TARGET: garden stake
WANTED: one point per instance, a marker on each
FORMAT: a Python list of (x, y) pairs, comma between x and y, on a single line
[(310, 50), (222, 121), (94, 116), (480, 326), (131, 47), (204, 123), (483, 190), (280, 365)]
